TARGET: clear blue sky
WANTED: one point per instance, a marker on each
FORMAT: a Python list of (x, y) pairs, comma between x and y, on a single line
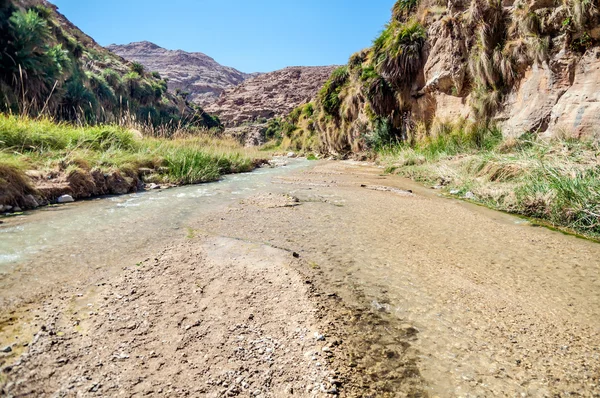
[(252, 36)]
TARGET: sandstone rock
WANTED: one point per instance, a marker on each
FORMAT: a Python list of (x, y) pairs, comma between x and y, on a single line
[(65, 199), (446, 66), (248, 134), (577, 113), (270, 95), (530, 106), (196, 73)]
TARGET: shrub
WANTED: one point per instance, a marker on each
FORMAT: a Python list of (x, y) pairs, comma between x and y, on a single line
[(113, 79), (138, 68), (78, 101), (397, 52), (329, 96)]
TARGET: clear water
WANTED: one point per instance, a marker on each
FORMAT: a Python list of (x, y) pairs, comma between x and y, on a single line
[(98, 230)]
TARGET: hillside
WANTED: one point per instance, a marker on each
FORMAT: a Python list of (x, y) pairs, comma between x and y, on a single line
[(49, 66), (520, 66), (269, 95), (195, 73)]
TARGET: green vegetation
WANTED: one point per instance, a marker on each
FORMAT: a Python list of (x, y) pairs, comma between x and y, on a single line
[(48, 67), (556, 181), (79, 152)]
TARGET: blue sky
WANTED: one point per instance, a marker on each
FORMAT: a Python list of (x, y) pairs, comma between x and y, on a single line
[(252, 36)]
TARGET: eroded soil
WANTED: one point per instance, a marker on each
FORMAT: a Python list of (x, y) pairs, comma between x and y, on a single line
[(333, 281)]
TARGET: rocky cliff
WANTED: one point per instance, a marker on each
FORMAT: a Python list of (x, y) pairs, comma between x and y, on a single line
[(526, 66), (195, 73), (269, 95)]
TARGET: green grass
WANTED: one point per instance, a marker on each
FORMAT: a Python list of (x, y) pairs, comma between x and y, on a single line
[(60, 148), (556, 181)]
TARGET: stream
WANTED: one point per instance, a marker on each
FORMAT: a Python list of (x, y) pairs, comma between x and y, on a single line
[(464, 301), (50, 243)]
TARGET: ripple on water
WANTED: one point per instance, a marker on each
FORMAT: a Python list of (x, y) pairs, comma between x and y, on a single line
[(9, 258), (12, 229)]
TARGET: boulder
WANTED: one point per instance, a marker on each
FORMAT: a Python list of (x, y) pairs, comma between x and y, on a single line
[(65, 199), (30, 202)]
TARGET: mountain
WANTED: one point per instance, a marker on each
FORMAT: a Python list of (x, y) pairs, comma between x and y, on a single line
[(49, 66), (269, 95), (195, 73)]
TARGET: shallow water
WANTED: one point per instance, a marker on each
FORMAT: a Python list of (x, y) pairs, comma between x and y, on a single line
[(50, 241)]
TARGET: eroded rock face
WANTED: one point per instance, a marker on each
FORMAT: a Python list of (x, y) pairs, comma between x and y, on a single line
[(577, 113), (270, 95), (529, 106), (196, 73), (556, 94)]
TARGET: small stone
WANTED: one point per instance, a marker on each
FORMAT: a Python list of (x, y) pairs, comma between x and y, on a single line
[(319, 337), (470, 195), (7, 349), (291, 155), (152, 186), (17, 209), (454, 192), (65, 199)]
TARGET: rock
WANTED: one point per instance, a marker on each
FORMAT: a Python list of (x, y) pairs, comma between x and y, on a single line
[(454, 192), (31, 202), (7, 349), (577, 113), (17, 209), (530, 106), (269, 95), (291, 155), (65, 199), (319, 337), (249, 134), (470, 196), (196, 73), (145, 171), (152, 186)]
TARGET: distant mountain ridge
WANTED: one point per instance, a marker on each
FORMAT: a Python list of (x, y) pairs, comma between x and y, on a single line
[(196, 73), (270, 94)]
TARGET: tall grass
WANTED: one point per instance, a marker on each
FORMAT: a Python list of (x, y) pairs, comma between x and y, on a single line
[(60, 148), (557, 181)]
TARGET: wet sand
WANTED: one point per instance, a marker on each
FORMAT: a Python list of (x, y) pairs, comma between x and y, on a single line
[(408, 294)]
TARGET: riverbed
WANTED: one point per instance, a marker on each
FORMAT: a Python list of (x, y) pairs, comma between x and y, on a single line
[(408, 293)]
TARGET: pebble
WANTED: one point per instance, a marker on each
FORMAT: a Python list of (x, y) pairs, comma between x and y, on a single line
[(65, 199), (319, 337), (7, 349), (470, 195)]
